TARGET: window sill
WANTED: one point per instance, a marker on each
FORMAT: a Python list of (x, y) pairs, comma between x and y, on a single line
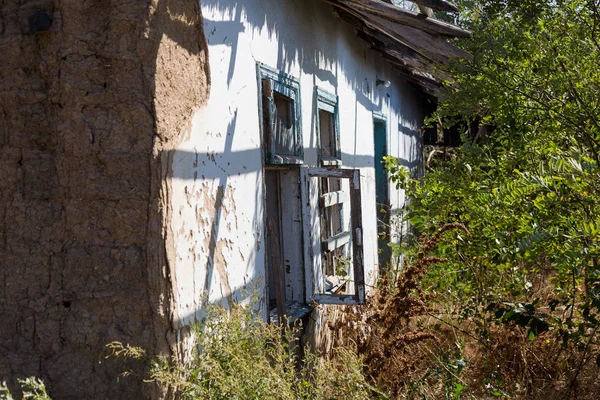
[(331, 162), (286, 160), (293, 312)]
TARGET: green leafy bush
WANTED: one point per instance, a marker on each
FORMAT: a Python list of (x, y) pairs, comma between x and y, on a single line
[(525, 182)]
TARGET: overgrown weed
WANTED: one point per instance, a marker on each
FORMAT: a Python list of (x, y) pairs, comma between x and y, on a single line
[(32, 389), (238, 356)]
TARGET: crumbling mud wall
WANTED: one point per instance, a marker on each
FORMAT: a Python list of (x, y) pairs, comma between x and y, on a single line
[(92, 95)]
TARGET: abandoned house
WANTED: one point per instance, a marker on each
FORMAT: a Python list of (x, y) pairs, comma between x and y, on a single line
[(156, 153)]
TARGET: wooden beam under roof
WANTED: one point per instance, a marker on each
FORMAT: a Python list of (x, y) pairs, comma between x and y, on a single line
[(403, 56), (438, 5), (432, 47), (406, 17), (417, 54)]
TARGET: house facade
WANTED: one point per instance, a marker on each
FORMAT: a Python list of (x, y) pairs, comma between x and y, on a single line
[(161, 154), (294, 95)]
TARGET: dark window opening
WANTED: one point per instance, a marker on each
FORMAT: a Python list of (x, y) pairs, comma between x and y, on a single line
[(280, 113)]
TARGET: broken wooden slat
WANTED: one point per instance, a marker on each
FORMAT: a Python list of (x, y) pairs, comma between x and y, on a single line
[(337, 241), (336, 282), (333, 198), (383, 43), (415, 67), (439, 5), (405, 17)]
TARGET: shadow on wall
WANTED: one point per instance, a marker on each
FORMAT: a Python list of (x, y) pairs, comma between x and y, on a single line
[(306, 34), (412, 149), (299, 28)]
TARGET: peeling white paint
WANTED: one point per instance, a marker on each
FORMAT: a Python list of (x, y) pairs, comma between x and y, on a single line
[(217, 184)]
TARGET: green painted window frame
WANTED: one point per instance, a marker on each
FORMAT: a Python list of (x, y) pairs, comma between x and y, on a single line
[(289, 87), (329, 102)]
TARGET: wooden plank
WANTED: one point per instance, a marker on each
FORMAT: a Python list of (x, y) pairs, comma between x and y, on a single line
[(426, 11), (403, 57), (331, 172), (333, 198), (291, 234), (432, 47), (415, 67), (439, 5), (357, 237), (418, 68), (337, 241), (309, 275), (405, 17), (278, 273)]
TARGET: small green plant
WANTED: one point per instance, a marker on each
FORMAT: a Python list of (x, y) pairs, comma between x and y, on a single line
[(33, 389)]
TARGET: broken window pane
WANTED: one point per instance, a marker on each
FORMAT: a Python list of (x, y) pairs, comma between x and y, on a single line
[(328, 127), (284, 135), (327, 131)]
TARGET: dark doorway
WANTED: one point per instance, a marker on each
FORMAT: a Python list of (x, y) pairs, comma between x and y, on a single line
[(382, 192)]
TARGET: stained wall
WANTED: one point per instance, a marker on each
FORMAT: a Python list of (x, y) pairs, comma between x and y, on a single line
[(218, 220)]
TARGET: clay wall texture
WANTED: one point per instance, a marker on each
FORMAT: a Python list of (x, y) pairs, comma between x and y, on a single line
[(87, 110)]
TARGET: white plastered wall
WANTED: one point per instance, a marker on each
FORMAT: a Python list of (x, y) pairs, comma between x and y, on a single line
[(217, 181)]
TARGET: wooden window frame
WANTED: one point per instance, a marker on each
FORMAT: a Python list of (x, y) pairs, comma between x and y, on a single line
[(328, 102), (315, 273), (287, 86)]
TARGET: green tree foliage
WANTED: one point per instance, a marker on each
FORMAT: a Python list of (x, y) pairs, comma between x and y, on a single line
[(526, 184)]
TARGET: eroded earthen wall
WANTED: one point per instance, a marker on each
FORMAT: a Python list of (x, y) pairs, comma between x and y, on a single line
[(89, 106)]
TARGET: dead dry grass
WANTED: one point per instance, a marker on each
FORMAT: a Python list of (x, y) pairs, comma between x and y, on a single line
[(412, 351)]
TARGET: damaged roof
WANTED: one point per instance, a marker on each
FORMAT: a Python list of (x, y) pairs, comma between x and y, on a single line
[(414, 43)]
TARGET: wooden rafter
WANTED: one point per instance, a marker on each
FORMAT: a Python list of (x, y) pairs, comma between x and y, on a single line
[(438, 5), (412, 43), (406, 17)]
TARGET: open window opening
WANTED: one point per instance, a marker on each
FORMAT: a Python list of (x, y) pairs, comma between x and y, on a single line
[(338, 271), (328, 128), (334, 237), (279, 98), (285, 258)]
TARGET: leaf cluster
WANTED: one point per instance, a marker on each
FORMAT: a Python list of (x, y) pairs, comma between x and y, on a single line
[(527, 186)]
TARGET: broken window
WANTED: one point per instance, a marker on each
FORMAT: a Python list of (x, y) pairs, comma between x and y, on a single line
[(279, 96), (328, 128), (337, 276), (309, 263)]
